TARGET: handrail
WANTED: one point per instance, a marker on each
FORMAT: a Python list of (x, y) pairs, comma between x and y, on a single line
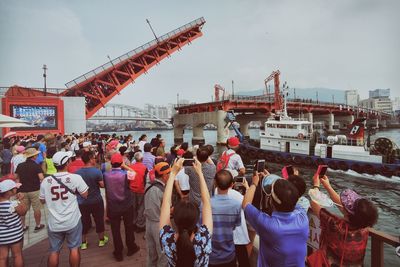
[(378, 239), (90, 74)]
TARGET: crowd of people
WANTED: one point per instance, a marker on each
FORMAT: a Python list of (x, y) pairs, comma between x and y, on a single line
[(185, 201)]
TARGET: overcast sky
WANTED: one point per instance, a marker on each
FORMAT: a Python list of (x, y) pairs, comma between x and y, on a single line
[(339, 44)]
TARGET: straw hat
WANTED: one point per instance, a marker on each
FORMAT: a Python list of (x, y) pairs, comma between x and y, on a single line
[(30, 152)]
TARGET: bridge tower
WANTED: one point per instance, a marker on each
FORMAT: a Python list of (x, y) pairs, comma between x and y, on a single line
[(100, 85)]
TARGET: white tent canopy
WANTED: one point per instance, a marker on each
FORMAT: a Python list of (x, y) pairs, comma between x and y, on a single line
[(7, 121)]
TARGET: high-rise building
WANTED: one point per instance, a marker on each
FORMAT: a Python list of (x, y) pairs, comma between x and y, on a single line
[(379, 93), (396, 103), (352, 97), (380, 104)]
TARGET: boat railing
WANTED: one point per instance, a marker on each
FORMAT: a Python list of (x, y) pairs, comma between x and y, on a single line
[(378, 240)]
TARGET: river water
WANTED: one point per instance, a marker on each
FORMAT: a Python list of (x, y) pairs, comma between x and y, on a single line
[(384, 192)]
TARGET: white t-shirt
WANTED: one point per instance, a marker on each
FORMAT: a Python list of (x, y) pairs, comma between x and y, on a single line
[(183, 180), (63, 207), (240, 234), (235, 163), (141, 145)]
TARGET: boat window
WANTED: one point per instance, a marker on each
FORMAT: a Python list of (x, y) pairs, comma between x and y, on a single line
[(292, 126), (305, 127)]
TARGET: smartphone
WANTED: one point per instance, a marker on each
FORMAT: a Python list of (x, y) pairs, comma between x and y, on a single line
[(260, 166), (287, 171), (239, 179), (322, 170), (188, 162)]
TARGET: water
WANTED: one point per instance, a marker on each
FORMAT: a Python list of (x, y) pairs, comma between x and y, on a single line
[(384, 192)]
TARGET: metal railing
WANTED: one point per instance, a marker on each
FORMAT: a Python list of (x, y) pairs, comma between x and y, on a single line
[(378, 239), (90, 74), (4, 89)]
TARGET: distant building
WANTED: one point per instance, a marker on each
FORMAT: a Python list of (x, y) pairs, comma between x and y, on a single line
[(352, 98), (162, 112), (379, 93), (380, 104), (396, 103)]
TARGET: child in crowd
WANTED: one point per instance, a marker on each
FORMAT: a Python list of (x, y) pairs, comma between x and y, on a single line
[(11, 232)]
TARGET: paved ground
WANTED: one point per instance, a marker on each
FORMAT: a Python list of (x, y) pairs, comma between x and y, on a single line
[(36, 255)]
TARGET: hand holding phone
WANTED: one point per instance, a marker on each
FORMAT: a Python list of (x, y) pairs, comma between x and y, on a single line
[(260, 166), (322, 170), (188, 162), (287, 171), (239, 179)]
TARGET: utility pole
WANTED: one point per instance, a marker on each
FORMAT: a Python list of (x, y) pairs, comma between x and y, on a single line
[(317, 96), (294, 92), (177, 99), (233, 89), (44, 78), (333, 99)]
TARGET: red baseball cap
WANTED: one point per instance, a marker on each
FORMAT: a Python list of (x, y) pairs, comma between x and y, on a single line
[(180, 152), (116, 158), (233, 142)]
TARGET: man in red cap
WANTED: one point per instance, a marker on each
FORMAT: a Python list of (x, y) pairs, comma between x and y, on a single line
[(120, 205), (153, 196), (230, 160)]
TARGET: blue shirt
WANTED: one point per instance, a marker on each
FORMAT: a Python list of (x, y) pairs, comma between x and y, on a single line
[(226, 216), (92, 176), (148, 160), (42, 149), (283, 236)]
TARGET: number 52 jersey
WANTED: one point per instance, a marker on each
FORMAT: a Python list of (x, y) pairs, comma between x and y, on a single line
[(63, 207)]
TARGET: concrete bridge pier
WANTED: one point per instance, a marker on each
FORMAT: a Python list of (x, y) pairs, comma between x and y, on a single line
[(222, 131), (244, 127), (344, 121), (178, 134), (198, 134), (327, 118)]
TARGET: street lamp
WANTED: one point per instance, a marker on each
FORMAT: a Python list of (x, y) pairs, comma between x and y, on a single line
[(44, 78)]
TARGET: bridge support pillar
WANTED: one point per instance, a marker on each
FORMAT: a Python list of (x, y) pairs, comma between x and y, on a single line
[(310, 118), (198, 136), (244, 127), (222, 132), (178, 134), (331, 121)]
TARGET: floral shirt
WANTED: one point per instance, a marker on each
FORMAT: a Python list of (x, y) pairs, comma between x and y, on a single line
[(201, 245)]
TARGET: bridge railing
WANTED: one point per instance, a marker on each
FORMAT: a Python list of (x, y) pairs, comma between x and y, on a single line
[(4, 89), (133, 52)]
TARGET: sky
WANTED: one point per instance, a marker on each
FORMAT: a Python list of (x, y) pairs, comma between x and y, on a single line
[(337, 44)]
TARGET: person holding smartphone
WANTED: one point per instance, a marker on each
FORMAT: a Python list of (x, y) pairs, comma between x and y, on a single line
[(343, 239)]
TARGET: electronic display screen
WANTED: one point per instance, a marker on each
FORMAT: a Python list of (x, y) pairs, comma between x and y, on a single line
[(39, 117)]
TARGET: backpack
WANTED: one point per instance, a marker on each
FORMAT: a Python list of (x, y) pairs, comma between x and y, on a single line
[(156, 184), (223, 161)]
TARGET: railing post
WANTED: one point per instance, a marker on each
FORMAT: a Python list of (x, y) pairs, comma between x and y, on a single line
[(376, 252)]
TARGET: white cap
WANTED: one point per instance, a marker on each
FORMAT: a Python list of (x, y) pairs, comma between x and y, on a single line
[(7, 185), (61, 157), (86, 144)]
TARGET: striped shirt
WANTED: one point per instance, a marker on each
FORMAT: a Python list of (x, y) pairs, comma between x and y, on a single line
[(226, 216), (10, 225)]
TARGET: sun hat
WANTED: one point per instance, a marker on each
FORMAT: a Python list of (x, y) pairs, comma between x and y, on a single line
[(233, 142), (7, 185), (162, 168), (61, 157), (348, 198), (86, 144), (20, 149), (116, 158), (30, 152), (267, 181)]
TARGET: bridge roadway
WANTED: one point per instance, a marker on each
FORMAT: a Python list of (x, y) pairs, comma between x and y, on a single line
[(259, 108)]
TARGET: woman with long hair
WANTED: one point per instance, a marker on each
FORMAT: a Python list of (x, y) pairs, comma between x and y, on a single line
[(344, 239), (190, 244)]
